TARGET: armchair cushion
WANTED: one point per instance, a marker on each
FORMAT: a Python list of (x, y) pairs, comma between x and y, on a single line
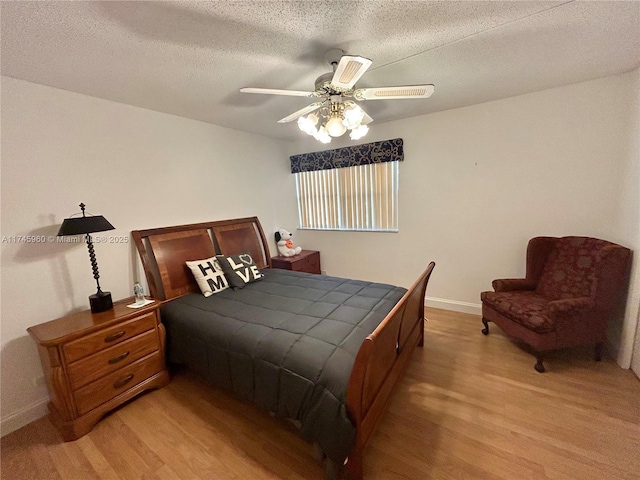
[(570, 306), (524, 307)]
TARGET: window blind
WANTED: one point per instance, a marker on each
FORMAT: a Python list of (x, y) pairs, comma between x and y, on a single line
[(363, 197)]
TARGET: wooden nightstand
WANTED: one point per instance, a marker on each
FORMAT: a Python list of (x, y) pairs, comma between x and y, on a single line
[(306, 261), (95, 362)]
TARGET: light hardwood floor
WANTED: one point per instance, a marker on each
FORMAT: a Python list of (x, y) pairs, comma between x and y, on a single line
[(468, 407)]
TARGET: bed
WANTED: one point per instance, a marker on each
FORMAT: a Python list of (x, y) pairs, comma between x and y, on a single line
[(322, 351)]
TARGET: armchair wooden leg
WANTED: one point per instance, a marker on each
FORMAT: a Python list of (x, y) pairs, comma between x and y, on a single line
[(598, 351), (485, 330), (539, 366)]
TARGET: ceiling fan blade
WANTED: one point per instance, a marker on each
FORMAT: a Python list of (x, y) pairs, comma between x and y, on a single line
[(301, 112), (273, 91), (391, 93), (349, 71)]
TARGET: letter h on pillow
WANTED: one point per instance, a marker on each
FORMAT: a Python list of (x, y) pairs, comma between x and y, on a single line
[(209, 275)]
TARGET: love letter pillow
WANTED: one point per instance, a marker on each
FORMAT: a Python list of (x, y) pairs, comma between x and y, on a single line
[(239, 269), (209, 275)]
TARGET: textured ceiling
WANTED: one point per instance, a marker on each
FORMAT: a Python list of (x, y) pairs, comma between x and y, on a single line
[(191, 58)]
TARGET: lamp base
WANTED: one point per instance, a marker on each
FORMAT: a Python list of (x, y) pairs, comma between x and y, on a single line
[(100, 302)]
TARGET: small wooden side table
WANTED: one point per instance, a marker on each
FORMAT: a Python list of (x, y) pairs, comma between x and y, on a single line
[(95, 362), (306, 261)]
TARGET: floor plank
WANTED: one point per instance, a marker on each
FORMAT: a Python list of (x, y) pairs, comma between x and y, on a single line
[(469, 406)]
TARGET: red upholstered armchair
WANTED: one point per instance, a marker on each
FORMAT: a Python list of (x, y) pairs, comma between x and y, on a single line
[(573, 286)]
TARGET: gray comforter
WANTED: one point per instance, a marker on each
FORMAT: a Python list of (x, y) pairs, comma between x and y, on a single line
[(287, 343)]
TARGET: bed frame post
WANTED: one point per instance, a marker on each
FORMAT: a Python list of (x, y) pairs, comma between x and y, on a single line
[(147, 265), (374, 376)]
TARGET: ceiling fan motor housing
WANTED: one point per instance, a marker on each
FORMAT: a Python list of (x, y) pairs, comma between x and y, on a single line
[(323, 86)]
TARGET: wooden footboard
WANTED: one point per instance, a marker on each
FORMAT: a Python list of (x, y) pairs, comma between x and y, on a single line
[(380, 362)]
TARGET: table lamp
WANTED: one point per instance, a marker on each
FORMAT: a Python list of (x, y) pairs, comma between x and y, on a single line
[(85, 225)]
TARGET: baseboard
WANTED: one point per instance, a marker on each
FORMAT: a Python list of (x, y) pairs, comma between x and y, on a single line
[(24, 416), (456, 306)]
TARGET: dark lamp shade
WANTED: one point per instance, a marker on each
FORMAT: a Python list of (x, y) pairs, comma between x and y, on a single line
[(83, 225)]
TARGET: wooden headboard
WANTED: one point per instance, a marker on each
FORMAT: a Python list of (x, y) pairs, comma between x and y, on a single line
[(164, 251)]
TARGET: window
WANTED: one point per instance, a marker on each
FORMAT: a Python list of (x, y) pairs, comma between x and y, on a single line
[(363, 197), (350, 188)]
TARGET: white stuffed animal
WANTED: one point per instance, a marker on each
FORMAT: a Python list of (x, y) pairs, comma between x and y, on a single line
[(285, 245)]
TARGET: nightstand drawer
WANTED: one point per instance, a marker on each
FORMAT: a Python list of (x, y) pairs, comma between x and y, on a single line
[(104, 389), (108, 337), (306, 261), (111, 359), (310, 264)]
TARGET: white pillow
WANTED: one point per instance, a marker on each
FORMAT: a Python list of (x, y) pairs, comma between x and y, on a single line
[(209, 275)]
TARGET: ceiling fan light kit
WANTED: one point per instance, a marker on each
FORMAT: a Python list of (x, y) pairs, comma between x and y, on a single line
[(336, 120), (333, 113), (359, 132)]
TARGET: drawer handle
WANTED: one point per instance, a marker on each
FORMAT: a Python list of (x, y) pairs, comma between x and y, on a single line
[(114, 336), (120, 357), (121, 382)]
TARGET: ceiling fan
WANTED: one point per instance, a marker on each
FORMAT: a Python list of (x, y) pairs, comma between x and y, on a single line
[(334, 110)]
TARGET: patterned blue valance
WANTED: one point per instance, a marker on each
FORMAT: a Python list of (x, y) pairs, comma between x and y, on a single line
[(376, 152)]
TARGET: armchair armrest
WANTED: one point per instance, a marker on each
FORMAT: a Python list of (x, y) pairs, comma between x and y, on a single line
[(570, 306), (509, 284)]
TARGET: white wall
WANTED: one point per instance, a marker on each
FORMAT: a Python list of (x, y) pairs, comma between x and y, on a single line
[(478, 182), (138, 168), (633, 198)]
